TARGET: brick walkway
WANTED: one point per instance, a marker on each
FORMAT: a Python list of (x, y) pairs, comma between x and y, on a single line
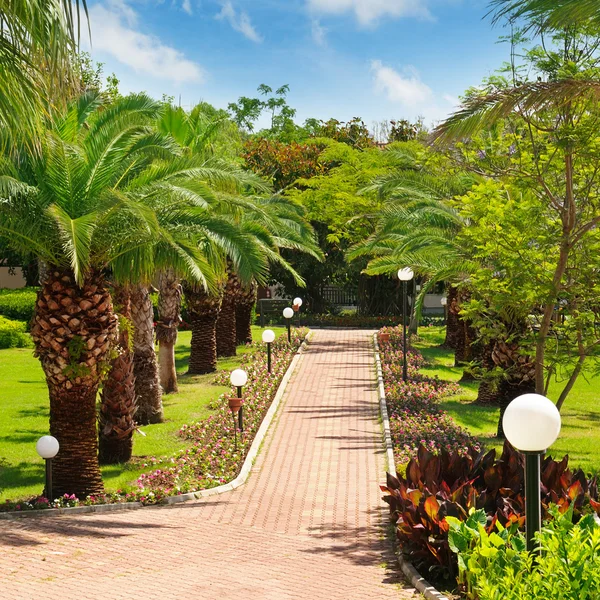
[(307, 524)]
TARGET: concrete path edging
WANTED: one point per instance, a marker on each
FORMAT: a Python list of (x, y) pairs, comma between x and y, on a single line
[(420, 583), (221, 489)]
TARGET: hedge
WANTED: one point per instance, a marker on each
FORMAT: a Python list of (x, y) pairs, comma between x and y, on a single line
[(18, 304), (13, 334)]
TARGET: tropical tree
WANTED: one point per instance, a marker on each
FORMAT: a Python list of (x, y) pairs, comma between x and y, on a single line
[(539, 135), (68, 202), (200, 134)]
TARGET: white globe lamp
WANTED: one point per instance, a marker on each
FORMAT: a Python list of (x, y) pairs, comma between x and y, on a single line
[(268, 337), (238, 378), (531, 423), (405, 274), (47, 447)]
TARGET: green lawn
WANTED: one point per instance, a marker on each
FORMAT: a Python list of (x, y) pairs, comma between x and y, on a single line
[(24, 418), (580, 434)]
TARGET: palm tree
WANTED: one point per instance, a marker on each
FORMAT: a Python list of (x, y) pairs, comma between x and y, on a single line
[(200, 134), (68, 203), (244, 306), (37, 40)]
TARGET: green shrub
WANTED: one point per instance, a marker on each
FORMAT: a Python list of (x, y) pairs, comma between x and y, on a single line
[(18, 304), (498, 566), (13, 334)]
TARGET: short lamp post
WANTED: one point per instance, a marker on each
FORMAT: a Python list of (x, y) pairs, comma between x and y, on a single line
[(47, 447), (288, 313), (405, 275), (296, 304), (238, 378), (444, 303), (268, 337), (531, 424)]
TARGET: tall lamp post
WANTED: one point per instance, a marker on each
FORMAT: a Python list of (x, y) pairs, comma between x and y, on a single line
[(239, 378), (444, 303), (268, 337), (404, 275), (296, 304), (288, 313), (47, 447), (531, 424)]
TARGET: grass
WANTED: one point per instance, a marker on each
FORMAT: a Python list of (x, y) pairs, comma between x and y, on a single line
[(580, 433), (24, 418)]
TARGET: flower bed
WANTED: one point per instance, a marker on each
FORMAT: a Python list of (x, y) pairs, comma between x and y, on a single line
[(215, 456), (413, 405)]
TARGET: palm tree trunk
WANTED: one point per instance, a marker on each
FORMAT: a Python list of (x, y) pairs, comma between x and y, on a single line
[(74, 330), (519, 375), (453, 331), (226, 327), (116, 422), (169, 317), (243, 314), (145, 366), (487, 394), (203, 311)]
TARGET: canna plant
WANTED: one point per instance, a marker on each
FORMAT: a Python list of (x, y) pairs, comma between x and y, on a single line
[(68, 202), (452, 484)]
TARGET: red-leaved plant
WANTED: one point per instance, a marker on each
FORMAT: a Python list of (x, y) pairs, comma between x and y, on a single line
[(451, 483)]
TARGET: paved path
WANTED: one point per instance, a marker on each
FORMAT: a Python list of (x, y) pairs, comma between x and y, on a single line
[(308, 523)]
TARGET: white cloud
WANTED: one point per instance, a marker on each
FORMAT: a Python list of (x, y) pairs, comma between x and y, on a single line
[(407, 90), (187, 6), (318, 33), (240, 22), (115, 32), (369, 11)]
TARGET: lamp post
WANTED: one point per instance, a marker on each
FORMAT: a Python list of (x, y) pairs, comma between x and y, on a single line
[(404, 275), (531, 424), (268, 337), (238, 378), (47, 447), (288, 313), (444, 302), (296, 304)]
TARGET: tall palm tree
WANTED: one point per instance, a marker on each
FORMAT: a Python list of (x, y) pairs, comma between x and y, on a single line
[(69, 203), (200, 134)]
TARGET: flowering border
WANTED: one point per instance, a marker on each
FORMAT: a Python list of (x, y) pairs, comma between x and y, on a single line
[(420, 583), (121, 503)]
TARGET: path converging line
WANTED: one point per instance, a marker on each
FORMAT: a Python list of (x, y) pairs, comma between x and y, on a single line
[(309, 522)]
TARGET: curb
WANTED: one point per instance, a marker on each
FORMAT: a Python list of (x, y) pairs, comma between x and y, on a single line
[(256, 443), (221, 489), (420, 583)]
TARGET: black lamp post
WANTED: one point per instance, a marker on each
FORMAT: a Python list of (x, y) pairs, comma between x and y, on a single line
[(268, 337), (531, 424), (288, 313), (239, 378), (47, 447), (404, 275)]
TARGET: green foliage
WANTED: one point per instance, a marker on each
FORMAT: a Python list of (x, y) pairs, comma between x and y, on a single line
[(498, 567), (454, 484), (18, 304), (13, 334), (354, 132)]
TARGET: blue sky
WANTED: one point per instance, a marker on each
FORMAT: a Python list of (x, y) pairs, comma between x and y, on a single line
[(377, 59)]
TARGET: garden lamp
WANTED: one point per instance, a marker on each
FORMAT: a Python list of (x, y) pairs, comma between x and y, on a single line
[(268, 337), (404, 275), (296, 304), (47, 447), (444, 303), (288, 313), (239, 378), (531, 424)]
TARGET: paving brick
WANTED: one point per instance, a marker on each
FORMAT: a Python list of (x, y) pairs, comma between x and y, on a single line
[(308, 524)]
